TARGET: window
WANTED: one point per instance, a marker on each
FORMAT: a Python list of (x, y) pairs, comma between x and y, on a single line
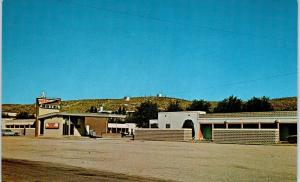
[(168, 125)]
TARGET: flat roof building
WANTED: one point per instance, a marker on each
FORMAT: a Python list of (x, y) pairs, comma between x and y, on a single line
[(53, 123), (74, 124), (207, 126)]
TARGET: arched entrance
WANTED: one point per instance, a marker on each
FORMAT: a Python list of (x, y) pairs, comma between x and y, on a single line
[(189, 124)]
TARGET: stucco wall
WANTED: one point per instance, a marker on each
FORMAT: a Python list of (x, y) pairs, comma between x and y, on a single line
[(43, 111), (54, 132), (177, 119)]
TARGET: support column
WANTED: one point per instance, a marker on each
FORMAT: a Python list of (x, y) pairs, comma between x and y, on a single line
[(212, 131), (226, 123), (259, 126), (69, 125), (37, 126), (242, 125), (200, 136)]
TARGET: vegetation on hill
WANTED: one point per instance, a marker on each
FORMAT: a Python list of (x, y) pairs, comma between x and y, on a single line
[(82, 106), (284, 104), (147, 110)]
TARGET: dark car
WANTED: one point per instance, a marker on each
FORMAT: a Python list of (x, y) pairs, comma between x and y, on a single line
[(292, 139)]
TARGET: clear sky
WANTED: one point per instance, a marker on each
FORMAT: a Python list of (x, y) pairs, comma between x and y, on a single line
[(191, 49)]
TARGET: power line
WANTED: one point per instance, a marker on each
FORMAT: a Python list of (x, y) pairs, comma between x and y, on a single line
[(242, 82), (170, 21)]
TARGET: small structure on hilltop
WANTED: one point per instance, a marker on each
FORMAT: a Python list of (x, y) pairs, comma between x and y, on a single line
[(126, 98)]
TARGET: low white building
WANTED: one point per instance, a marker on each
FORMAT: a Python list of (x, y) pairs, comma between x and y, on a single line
[(176, 120), (121, 127), (284, 122)]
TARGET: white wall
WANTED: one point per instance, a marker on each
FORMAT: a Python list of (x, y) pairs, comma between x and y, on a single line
[(177, 119), (53, 132)]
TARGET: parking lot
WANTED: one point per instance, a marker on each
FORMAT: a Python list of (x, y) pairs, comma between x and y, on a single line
[(147, 160)]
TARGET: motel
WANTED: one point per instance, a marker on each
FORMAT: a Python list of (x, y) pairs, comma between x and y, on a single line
[(244, 127)]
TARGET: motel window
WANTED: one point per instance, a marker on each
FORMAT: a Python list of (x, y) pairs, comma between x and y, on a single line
[(17, 126), (7, 126), (168, 125), (32, 126)]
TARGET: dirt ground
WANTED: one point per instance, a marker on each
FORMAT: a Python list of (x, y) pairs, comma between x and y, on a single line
[(123, 159), (22, 170)]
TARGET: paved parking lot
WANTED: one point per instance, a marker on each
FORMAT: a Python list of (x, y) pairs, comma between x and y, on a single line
[(177, 161)]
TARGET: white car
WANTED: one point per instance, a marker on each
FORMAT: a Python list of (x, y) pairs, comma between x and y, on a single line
[(8, 132)]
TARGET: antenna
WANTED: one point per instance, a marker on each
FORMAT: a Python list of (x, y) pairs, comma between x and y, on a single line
[(43, 94)]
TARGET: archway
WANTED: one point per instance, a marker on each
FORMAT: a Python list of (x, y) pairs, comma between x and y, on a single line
[(189, 124)]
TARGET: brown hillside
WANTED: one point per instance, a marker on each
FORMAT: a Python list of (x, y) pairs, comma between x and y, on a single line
[(81, 106)]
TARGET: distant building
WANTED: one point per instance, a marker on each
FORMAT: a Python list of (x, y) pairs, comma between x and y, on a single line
[(21, 126), (10, 114), (121, 127)]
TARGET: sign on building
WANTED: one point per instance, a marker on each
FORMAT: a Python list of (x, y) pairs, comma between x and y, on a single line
[(49, 103), (52, 125)]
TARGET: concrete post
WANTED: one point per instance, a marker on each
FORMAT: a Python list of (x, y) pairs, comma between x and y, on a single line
[(212, 131), (242, 125), (69, 125), (37, 126), (226, 123), (259, 126)]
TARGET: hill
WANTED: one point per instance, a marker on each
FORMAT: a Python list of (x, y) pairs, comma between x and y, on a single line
[(81, 106)]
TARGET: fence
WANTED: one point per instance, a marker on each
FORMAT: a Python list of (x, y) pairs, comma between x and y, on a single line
[(246, 136), (163, 134)]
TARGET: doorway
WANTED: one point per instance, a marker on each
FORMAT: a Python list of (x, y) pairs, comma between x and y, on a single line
[(65, 129), (189, 124), (42, 124), (206, 129)]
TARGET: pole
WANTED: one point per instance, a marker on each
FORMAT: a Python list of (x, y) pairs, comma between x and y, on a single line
[(37, 124)]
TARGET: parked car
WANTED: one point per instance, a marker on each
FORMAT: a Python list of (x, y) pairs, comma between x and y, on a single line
[(93, 134), (292, 139), (125, 134), (8, 132)]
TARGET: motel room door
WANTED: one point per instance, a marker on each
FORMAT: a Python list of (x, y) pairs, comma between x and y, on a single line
[(206, 129), (42, 126), (65, 129)]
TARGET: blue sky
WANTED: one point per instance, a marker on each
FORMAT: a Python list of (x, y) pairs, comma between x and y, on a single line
[(189, 49)]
